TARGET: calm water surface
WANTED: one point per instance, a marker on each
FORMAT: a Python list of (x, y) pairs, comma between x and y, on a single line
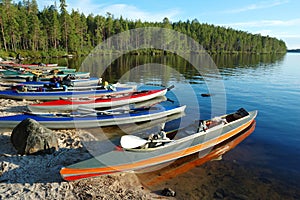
[(266, 164)]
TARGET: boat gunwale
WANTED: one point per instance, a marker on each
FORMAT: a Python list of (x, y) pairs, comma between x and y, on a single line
[(69, 172), (192, 136)]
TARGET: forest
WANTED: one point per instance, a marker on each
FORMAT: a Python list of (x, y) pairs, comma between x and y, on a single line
[(54, 31)]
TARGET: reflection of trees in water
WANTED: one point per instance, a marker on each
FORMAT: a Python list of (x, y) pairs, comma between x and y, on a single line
[(224, 61), (124, 64), (247, 60)]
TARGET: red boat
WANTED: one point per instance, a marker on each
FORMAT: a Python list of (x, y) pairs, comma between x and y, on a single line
[(101, 102)]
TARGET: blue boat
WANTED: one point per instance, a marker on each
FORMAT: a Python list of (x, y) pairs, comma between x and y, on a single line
[(93, 81), (57, 93), (94, 119)]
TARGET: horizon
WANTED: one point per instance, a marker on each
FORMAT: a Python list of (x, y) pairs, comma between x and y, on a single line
[(274, 18)]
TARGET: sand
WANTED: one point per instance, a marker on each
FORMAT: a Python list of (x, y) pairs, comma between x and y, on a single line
[(37, 176)]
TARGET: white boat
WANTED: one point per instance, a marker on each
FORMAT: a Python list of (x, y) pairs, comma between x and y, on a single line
[(93, 119)]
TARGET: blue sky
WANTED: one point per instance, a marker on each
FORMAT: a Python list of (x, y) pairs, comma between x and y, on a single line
[(276, 18)]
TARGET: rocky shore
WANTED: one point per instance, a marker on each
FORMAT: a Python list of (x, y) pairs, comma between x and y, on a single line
[(37, 176)]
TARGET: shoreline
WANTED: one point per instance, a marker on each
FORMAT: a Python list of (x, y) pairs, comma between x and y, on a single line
[(38, 177)]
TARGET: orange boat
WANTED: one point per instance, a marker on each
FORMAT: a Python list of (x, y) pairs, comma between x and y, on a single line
[(137, 153)]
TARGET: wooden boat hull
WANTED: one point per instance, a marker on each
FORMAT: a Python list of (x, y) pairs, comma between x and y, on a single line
[(66, 105), (55, 95), (118, 161), (93, 119)]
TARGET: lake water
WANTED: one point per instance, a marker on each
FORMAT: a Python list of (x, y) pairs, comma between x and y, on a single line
[(266, 164)]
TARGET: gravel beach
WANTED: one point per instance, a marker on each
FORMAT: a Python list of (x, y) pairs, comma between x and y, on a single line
[(37, 176)]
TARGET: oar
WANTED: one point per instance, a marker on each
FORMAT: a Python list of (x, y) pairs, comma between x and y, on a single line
[(131, 141), (155, 84), (87, 110), (168, 99), (170, 87), (162, 127)]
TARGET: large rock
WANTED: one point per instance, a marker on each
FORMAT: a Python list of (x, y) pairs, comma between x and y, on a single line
[(30, 137)]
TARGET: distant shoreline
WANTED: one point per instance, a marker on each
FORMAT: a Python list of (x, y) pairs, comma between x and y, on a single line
[(28, 55), (293, 50)]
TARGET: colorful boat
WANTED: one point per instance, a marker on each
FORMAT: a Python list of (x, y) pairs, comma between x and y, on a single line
[(93, 81), (38, 70), (15, 75), (37, 67), (101, 102), (138, 153), (55, 94), (12, 64), (94, 119)]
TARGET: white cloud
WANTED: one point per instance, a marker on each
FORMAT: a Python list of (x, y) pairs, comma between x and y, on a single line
[(134, 13), (263, 32), (261, 5), (126, 11), (287, 35), (84, 6), (287, 30), (264, 23), (278, 34)]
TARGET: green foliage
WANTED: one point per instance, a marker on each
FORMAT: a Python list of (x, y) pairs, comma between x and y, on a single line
[(4, 54), (55, 32)]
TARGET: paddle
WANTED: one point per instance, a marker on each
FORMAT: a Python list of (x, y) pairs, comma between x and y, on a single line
[(118, 110), (86, 110), (170, 87), (131, 141)]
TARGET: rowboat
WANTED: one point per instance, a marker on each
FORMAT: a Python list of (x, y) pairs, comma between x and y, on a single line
[(101, 102), (137, 153), (94, 119), (56, 94)]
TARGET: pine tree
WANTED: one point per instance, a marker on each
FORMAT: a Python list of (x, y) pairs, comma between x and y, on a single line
[(64, 21)]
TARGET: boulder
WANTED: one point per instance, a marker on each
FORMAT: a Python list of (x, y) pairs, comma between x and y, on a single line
[(30, 137)]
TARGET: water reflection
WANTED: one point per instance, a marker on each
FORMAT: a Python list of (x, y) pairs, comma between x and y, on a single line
[(112, 73), (224, 61), (185, 164)]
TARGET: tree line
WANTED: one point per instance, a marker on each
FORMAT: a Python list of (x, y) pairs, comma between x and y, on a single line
[(54, 31)]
